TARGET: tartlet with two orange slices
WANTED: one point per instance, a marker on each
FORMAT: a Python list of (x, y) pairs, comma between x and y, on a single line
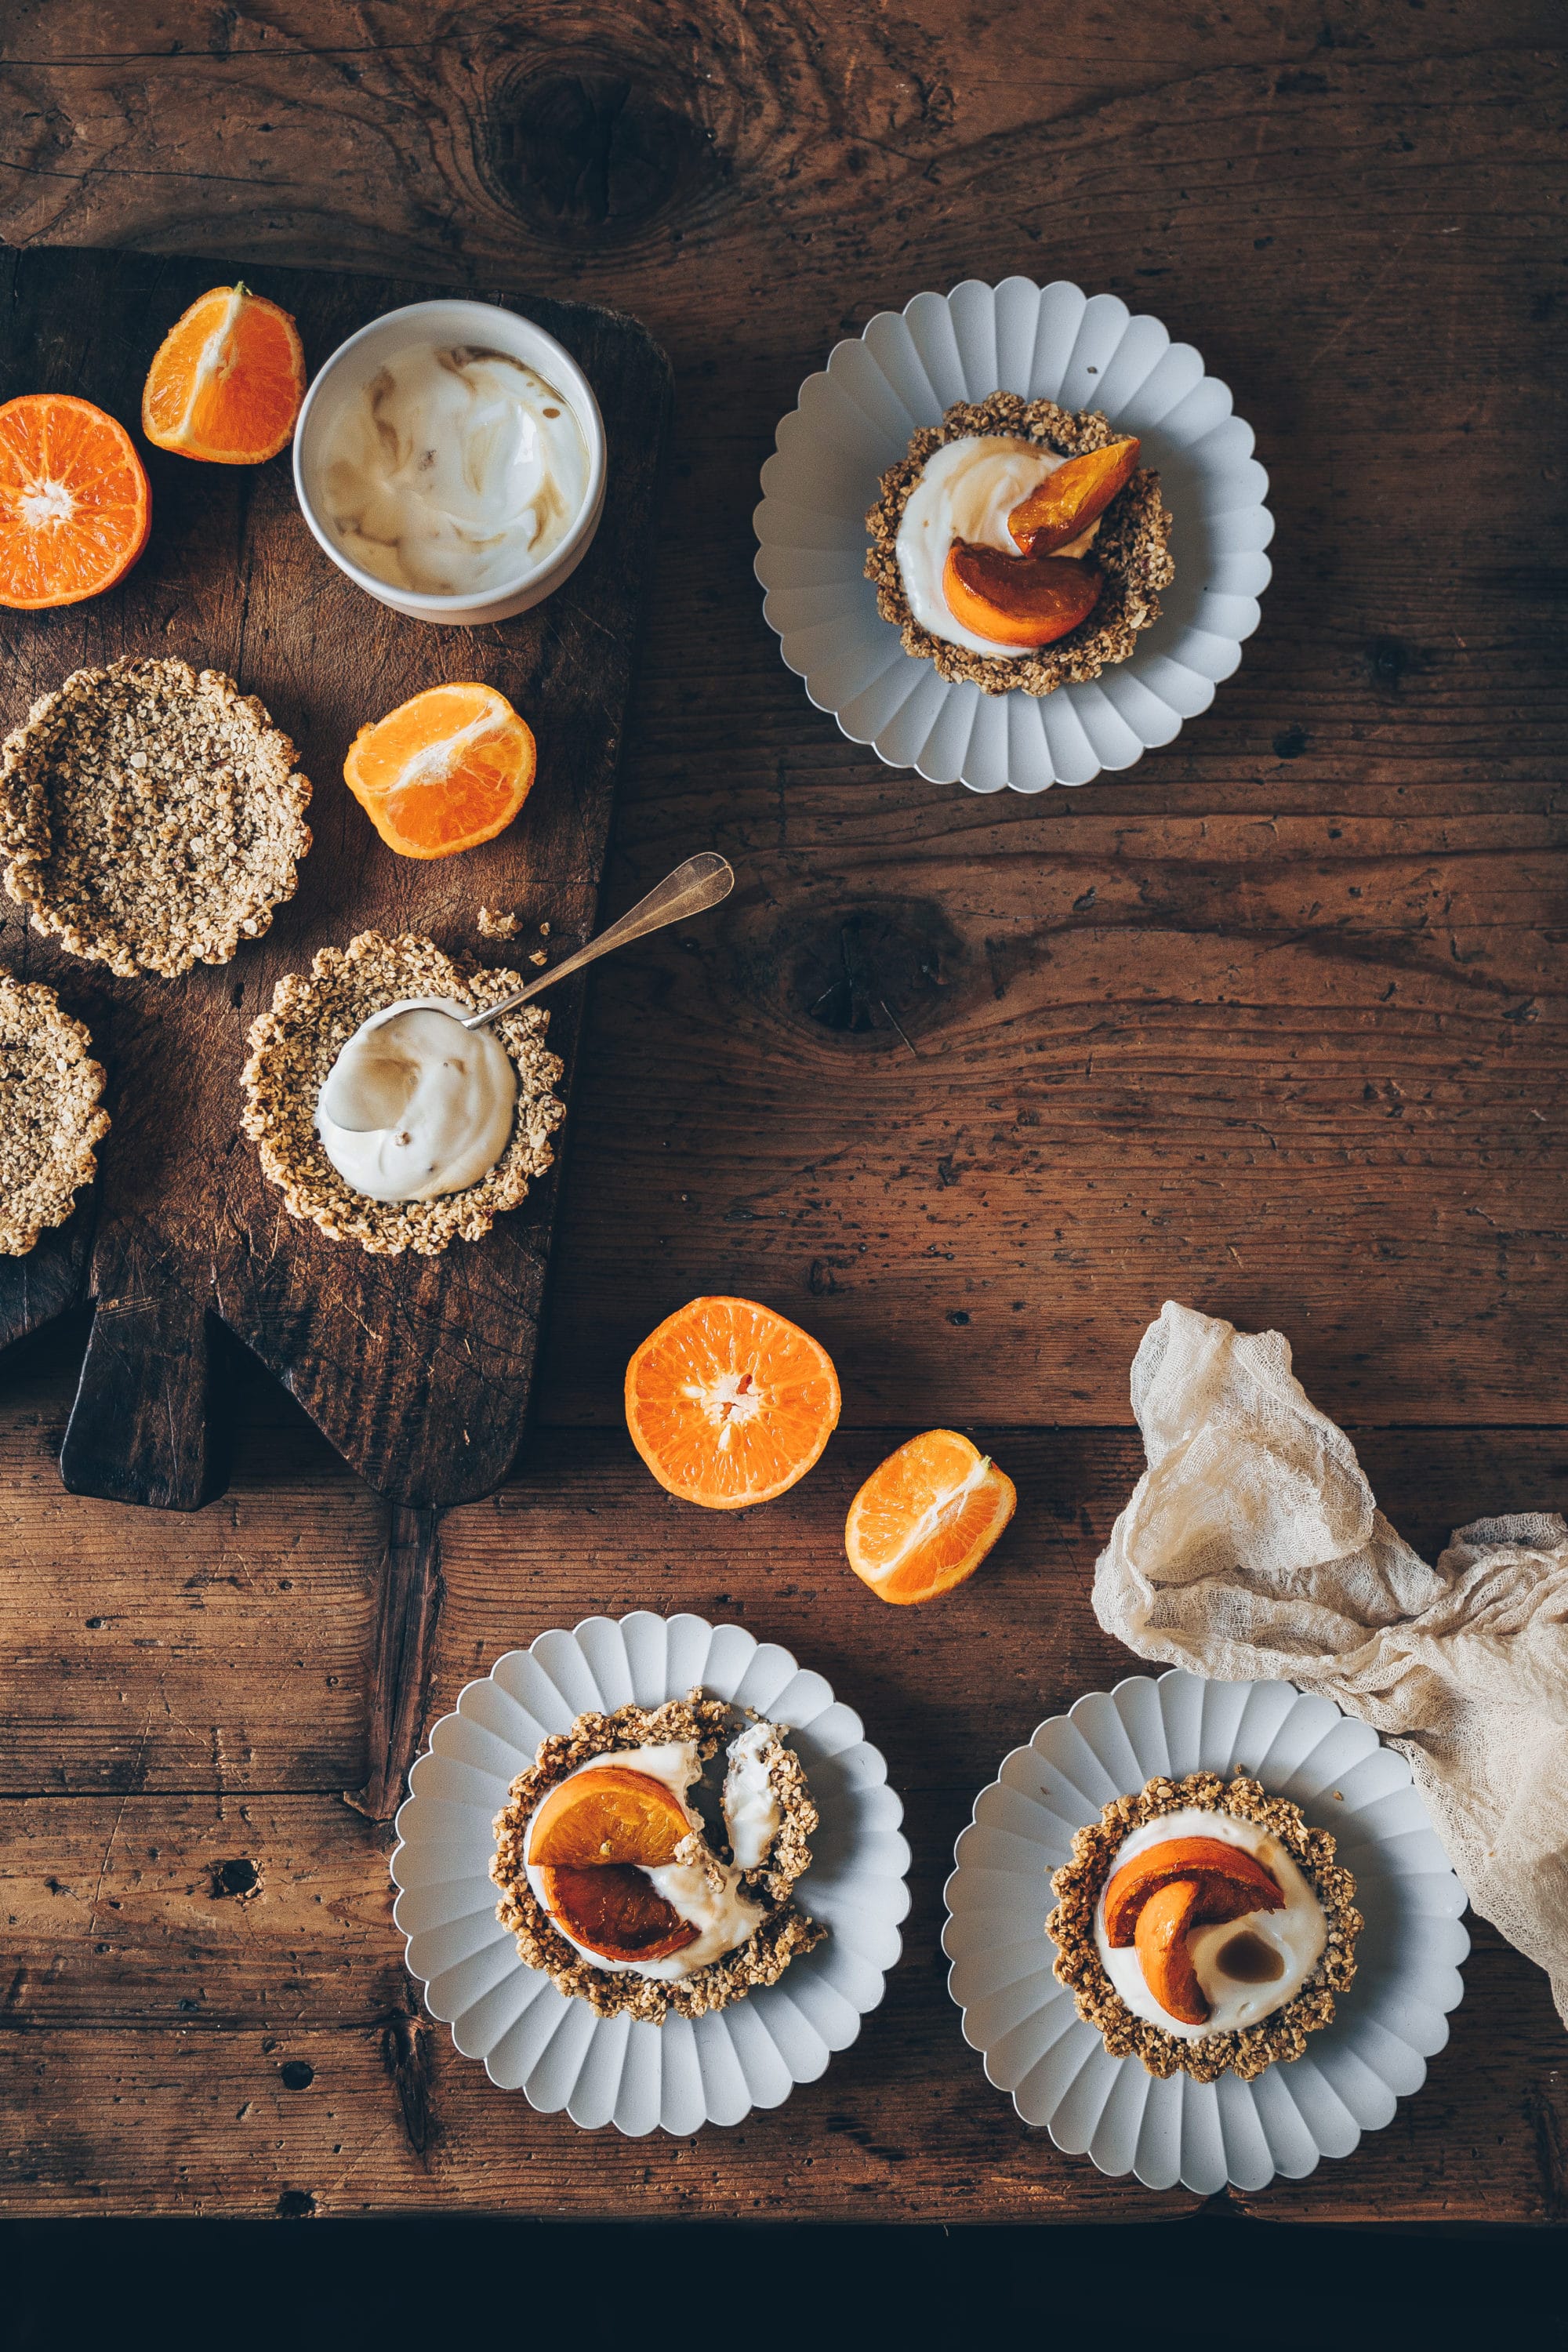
[(615, 1886)]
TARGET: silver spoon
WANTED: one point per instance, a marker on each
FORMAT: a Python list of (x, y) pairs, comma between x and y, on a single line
[(701, 882)]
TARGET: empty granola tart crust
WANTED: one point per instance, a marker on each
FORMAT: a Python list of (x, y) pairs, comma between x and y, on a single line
[(153, 818), (1130, 547), (50, 1117), (1253, 2048), (784, 1931), (293, 1047)]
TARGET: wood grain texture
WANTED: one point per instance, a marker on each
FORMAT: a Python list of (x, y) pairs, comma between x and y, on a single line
[(419, 1369), (1273, 1022)]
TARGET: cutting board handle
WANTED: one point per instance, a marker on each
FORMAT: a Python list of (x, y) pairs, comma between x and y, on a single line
[(140, 1431)]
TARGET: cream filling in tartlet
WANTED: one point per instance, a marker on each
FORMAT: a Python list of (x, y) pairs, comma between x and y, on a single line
[(1293, 1938), (708, 1895), (967, 491)]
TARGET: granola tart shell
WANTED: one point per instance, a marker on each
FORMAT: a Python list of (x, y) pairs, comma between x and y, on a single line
[(1248, 2052), (785, 1932), (152, 818), (293, 1047), (49, 1114), (1130, 547)]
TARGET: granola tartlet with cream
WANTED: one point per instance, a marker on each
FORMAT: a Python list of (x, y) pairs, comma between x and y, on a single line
[(1204, 1928), (613, 1885), (295, 1047), (958, 482), (152, 818), (49, 1114)]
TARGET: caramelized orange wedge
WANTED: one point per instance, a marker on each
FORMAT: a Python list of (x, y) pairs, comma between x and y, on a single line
[(1222, 1871), (1164, 1925), (607, 1814), (1062, 508), (1015, 601), (615, 1911)]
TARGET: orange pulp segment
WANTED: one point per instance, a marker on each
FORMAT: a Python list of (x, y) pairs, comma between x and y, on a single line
[(608, 1813), (227, 380), (729, 1405), (443, 773), (927, 1517), (75, 508)]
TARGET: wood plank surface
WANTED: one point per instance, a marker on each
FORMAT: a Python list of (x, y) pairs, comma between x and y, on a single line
[(1273, 1022)]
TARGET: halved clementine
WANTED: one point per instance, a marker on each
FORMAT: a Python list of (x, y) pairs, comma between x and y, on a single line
[(926, 1519), (1064, 505), (227, 380), (1217, 1865), (75, 508), (615, 1911), (444, 772), (610, 1813), (1016, 600), (729, 1405)]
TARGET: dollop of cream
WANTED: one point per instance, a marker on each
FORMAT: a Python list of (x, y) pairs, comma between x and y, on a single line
[(707, 1894), (967, 491), (453, 471), (752, 1810), (416, 1106), (1297, 1934)]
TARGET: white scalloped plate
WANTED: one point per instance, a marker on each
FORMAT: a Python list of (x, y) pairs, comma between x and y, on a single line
[(1046, 342), (556, 2051), (1393, 2017)]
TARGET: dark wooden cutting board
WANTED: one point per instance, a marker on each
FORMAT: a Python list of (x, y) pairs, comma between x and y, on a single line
[(417, 1369)]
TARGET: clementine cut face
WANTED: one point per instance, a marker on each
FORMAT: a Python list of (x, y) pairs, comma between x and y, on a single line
[(926, 1519), (75, 508), (729, 1405), (610, 1813), (444, 772), (227, 380)]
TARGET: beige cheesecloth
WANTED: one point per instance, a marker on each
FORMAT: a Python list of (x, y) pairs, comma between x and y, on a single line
[(1252, 1547)]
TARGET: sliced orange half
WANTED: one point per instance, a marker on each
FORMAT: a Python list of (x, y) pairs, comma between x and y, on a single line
[(443, 773), (926, 1519), (729, 1405), (609, 1814), (227, 380), (75, 508)]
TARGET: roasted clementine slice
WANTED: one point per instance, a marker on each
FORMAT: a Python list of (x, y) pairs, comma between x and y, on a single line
[(75, 507), (729, 1405), (227, 380), (610, 1813), (615, 1911), (1218, 1866), (1065, 504), (444, 772), (1164, 1925), (1016, 600), (926, 1519)]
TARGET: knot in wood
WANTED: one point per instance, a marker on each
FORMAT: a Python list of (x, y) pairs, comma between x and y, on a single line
[(877, 974), (590, 155)]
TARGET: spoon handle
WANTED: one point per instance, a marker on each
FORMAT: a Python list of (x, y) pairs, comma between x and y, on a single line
[(701, 882)]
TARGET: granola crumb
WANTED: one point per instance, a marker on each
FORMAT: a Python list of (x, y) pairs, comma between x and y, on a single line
[(152, 818), (294, 1046), (1132, 549), (538, 955), (783, 1933), (49, 1114), (1248, 2052), (544, 930), (495, 925)]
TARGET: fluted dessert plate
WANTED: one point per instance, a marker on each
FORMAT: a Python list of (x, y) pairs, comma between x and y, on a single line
[(558, 2052), (1390, 2020), (855, 418)]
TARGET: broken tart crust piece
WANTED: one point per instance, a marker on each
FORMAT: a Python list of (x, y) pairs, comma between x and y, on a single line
[(294, 1046), (152, 818), (1248, 2052), (49, 1114), (783, 1935), (1131, 548)]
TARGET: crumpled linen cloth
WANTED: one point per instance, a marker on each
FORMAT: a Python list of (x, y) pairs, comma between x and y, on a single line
[(1252, 1547)]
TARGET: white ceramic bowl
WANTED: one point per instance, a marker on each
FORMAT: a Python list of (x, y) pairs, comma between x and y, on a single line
[(615, 2070), (446, 323), (1392, 2018), (1046, 342)]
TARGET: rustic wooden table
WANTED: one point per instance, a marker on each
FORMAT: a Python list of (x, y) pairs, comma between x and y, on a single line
[(1272, 1024)]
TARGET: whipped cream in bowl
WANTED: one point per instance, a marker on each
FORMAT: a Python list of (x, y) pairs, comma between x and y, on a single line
[(450, 459)]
